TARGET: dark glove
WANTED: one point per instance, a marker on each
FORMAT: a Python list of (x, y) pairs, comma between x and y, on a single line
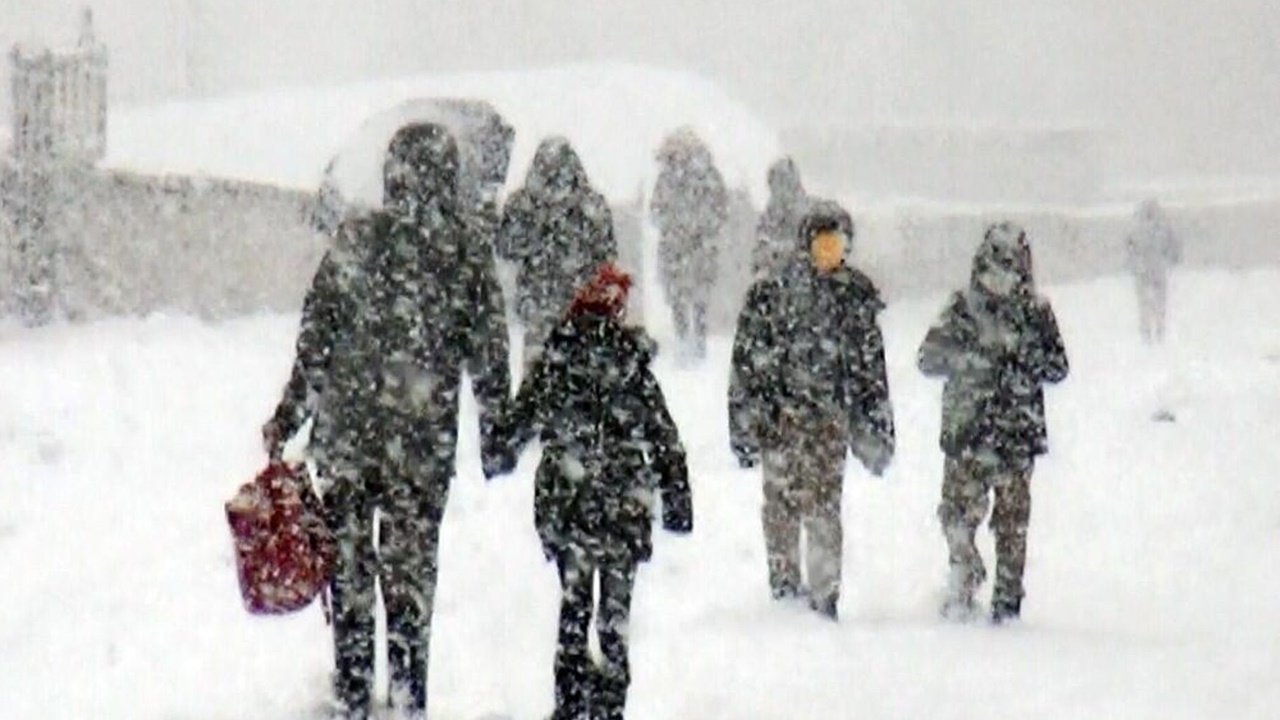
[(497, 462), (677, 514), (748, 456), (497, 456), (875, 454)]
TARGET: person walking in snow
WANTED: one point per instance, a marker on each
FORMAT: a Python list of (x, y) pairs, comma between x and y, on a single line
[(1151, 250), (556, 230), (609, 445), (808, 380), (403, 304), (997, 344), (689, 207), (780, 222)]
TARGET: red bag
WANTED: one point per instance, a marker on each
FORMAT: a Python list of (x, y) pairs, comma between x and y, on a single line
[(284, 550)]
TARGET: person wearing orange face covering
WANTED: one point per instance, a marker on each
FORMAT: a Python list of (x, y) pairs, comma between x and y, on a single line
[(808, 380)]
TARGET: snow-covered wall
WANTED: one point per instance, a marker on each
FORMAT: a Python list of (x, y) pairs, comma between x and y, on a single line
[(126, 244)]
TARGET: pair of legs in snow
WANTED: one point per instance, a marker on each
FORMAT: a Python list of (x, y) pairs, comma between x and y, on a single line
[(969, 481), (803, 480), (1153, 301), (688, 278), (402, 559), (586, 690)]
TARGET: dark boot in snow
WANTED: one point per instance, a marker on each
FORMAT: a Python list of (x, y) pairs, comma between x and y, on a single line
[(1005, 611), (407, 668), (608, 696)]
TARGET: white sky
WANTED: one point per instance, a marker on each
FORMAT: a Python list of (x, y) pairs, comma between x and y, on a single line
[(1186, 86)]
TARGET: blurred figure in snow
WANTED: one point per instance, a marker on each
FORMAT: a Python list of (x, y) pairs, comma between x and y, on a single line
[(689, 207), (401, 306), (778, 226), (556, 230), (1151, 250), (996, 344)]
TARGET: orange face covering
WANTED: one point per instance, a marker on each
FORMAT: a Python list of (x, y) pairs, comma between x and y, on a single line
[(827, 250)]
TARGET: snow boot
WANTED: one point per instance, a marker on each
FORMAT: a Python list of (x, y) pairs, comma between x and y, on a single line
[(1005, 611)]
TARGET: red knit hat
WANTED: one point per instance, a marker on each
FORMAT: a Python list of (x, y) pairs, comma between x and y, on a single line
[(605, 294)]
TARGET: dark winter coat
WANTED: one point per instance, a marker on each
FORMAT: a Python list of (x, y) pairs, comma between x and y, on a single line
[(556, 230), (405, 303), (609, 443), (780, 224), (996, 353), (809, 343)]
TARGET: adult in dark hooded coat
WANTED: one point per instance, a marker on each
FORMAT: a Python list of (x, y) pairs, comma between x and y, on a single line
[(997, 344), (808, 381), (402, 306), (556, 230), (780, 224), (609, 445)]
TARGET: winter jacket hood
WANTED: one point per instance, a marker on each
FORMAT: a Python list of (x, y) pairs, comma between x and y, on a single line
[(785, 187), (823, 216), (556, 168), (1004, 248), (420, 174)]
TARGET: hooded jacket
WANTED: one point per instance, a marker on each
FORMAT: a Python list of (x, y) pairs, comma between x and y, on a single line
[(779, 225), (556, 230), (810, 343), (996, 352), (609, 445), (404, 303), (690, 203)]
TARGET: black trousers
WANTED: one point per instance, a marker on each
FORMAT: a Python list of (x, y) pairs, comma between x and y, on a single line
[(585, 691), (404, 561)]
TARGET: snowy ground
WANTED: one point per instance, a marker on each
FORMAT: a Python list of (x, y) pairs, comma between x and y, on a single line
[(1152, 581)]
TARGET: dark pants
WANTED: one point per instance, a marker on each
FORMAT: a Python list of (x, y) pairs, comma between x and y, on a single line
[(583, 690), (404, 562), (968, 482), (803, 484)]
